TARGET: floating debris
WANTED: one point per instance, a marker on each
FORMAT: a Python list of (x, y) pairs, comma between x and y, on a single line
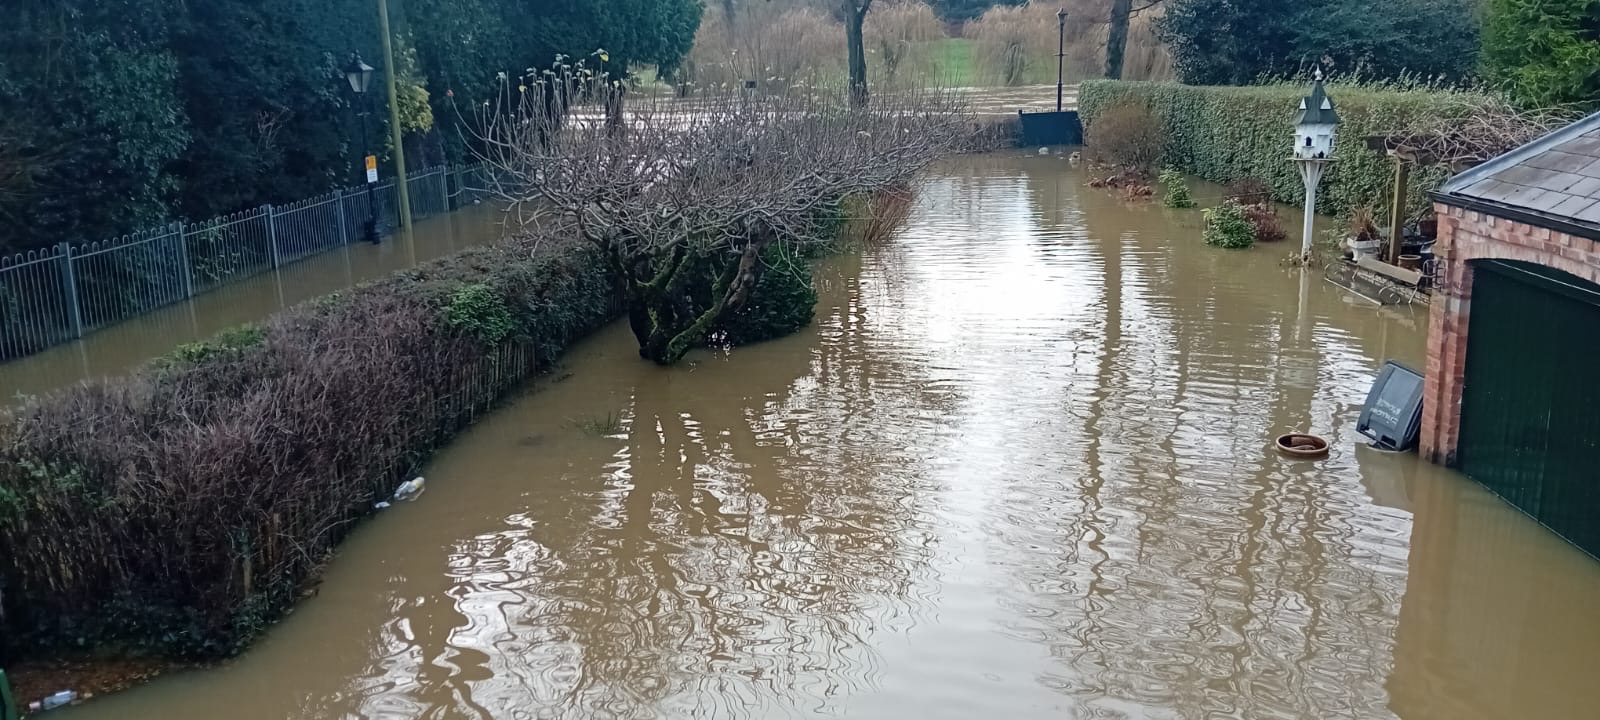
[(409, 489)]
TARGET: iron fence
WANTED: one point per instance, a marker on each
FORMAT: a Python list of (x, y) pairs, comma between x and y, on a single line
[(54, 295)]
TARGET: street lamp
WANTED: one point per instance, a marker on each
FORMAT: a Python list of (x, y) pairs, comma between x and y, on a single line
[(1061, 54), (1315, 135), (360, 76)]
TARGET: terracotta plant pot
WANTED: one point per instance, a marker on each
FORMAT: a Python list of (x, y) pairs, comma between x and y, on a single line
[(1302, 446)]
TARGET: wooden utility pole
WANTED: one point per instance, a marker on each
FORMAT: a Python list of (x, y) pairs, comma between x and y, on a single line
[(396, 131)]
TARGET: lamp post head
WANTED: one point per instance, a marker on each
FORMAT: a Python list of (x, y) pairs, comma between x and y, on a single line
[(1061, 16), (359, 74)]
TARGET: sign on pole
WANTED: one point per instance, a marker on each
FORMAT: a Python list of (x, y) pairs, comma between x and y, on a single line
[(372, 169)]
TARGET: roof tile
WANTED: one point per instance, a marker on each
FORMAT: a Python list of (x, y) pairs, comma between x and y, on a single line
[(1572, 206), (1557, 176), (1592, 214), (1585, 187)]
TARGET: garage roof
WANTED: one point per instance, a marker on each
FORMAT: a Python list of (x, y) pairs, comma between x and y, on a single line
[(1555, 179)]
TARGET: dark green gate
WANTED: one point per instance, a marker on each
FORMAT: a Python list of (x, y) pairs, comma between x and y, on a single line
[(1530, 407)]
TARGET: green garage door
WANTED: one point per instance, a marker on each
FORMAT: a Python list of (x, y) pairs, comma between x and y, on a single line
[(1530, 412)]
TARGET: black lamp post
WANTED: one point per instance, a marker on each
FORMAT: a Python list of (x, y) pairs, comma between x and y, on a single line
[(1061, 55), (360, 76)]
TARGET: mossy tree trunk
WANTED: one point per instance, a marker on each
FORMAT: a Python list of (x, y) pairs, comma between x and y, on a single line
[(674, 303)]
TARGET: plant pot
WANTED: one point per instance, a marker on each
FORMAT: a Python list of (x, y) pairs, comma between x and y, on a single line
[(1302, 446), (1364, 248), (1411, 262)]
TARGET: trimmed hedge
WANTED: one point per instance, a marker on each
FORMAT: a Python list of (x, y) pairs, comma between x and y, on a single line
[(1225, 133), (179, 511)]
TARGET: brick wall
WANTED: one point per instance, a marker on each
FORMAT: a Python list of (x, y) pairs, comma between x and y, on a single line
[(1464, 236)]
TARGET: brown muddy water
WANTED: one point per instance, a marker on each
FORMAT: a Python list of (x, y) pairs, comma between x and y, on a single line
[(122, 347), (1018, 468)]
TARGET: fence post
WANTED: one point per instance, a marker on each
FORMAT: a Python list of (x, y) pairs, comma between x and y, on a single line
[(444, 190), (452, 174), (344, 232), (272, 237), (69, 278), (183, 257)]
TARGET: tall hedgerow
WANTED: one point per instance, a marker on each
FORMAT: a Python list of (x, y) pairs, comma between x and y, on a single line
[(1225, 133)]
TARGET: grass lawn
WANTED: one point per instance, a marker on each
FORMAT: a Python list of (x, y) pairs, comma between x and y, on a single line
[(953, 58)]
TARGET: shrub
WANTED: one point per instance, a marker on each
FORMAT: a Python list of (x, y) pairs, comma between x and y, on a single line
[(1224, 133), (179, 510), (1177, 189), (1264, 222), (1364, 224), (899, 33), (876, 218), (1249, 190), (1227, 226), (228, 343), (477, 310), (775, 46), (1127, 135)]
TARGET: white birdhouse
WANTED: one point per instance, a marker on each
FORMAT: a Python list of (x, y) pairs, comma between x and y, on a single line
[(1316, 126)]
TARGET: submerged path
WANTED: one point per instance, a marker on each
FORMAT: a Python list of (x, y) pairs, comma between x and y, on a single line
[(127, 345), (1018, 468)]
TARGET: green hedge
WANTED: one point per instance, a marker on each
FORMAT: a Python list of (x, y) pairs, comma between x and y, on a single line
[(1224, 133)]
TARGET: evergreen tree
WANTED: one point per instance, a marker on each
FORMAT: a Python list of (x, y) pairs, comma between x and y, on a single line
[(89, 101), (962, 10), (1544, 52), (1220, 42), (117, 116)]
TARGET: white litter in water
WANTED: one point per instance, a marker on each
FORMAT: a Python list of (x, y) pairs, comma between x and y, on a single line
[(409, 489)]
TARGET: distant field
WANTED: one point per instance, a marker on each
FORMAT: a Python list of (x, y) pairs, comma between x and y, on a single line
[(950, 62), (954, 62)]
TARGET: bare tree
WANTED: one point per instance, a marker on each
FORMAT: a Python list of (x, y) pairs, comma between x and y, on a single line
[(686, 201)]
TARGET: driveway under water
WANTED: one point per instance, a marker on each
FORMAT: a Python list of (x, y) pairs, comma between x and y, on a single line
[(1018, 468)]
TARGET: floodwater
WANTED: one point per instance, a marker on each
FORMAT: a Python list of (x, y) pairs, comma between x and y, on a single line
[(996, 101), (122, 347), (1018, 468)]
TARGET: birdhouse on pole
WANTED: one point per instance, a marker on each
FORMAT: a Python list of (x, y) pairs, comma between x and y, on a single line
[(1316, 126)]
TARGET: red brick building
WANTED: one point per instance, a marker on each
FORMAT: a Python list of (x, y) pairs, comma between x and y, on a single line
[(1510, 396)]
